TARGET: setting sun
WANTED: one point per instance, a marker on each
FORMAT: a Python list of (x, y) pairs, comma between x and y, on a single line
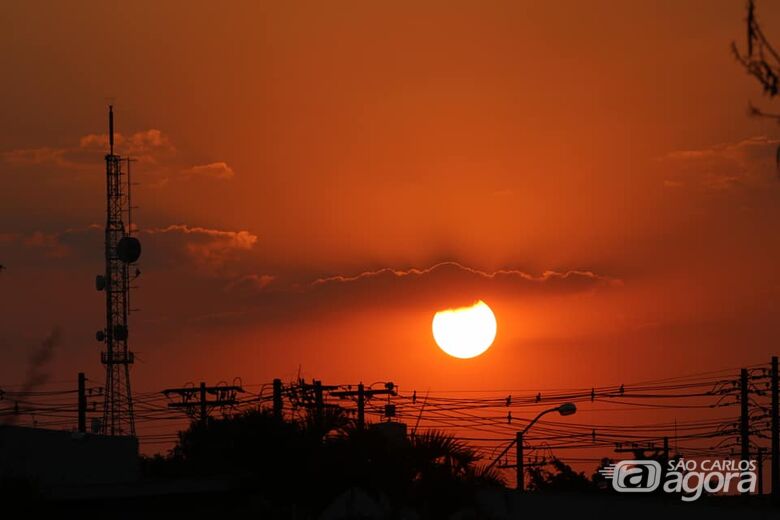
[(465, 332)]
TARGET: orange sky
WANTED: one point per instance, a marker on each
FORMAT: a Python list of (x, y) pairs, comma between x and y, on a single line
[(317, 179)]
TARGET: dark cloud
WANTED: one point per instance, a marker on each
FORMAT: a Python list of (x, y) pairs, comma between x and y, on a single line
[(225, 278), (147, 146), (179, 246), (445, 284), (505, 274), (152, 150), (444, 280), (43, 247), (207, 249), (216, 170), (250, 282), (746, 163)]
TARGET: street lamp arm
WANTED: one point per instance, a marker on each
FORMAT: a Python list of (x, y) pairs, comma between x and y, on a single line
[(528, 426), (533, 421)]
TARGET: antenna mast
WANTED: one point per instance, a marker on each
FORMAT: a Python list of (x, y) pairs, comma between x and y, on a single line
[(122, 250)]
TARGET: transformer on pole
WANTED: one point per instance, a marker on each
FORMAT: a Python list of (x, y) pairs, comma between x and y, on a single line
[(122, 250)]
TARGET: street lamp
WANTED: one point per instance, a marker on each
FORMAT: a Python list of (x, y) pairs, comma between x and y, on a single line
[(567, 409), (564, 409)]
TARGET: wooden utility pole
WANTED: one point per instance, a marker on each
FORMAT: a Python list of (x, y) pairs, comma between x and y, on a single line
[(361, 421), (744, 417), (666, 451), (278, 403), (203, 410), (520, 465), (775, 409), (82, 405), (197, 398), (362, 394), (319, 403)]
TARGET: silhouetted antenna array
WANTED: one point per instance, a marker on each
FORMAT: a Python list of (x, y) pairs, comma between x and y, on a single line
[(122, 251)]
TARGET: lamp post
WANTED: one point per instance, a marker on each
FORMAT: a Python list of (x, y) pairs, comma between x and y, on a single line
[(564, 409)]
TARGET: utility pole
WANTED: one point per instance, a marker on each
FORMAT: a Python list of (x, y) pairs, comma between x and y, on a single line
[(319, 404), (361, 407), (362, 394), (666, 450), (744, 420), (775, 432), (520, 465), (648, 451), (760, 470), (203, 411), (315, 399), (82, 406), (520, 468), (278, 403), (193, 399), (564, 409)]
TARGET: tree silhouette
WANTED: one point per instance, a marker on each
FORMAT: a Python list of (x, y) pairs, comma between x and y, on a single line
[(311, 459), (598, 479), (558, 476), (760, 58), (762, 61)]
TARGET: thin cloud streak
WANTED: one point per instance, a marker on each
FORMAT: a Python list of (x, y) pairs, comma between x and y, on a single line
[(400, 273)]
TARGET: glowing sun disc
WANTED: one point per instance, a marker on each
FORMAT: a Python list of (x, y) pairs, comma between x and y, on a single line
[(465, 332)]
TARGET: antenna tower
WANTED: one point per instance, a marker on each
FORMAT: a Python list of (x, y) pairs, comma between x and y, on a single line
[(122, 250)]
